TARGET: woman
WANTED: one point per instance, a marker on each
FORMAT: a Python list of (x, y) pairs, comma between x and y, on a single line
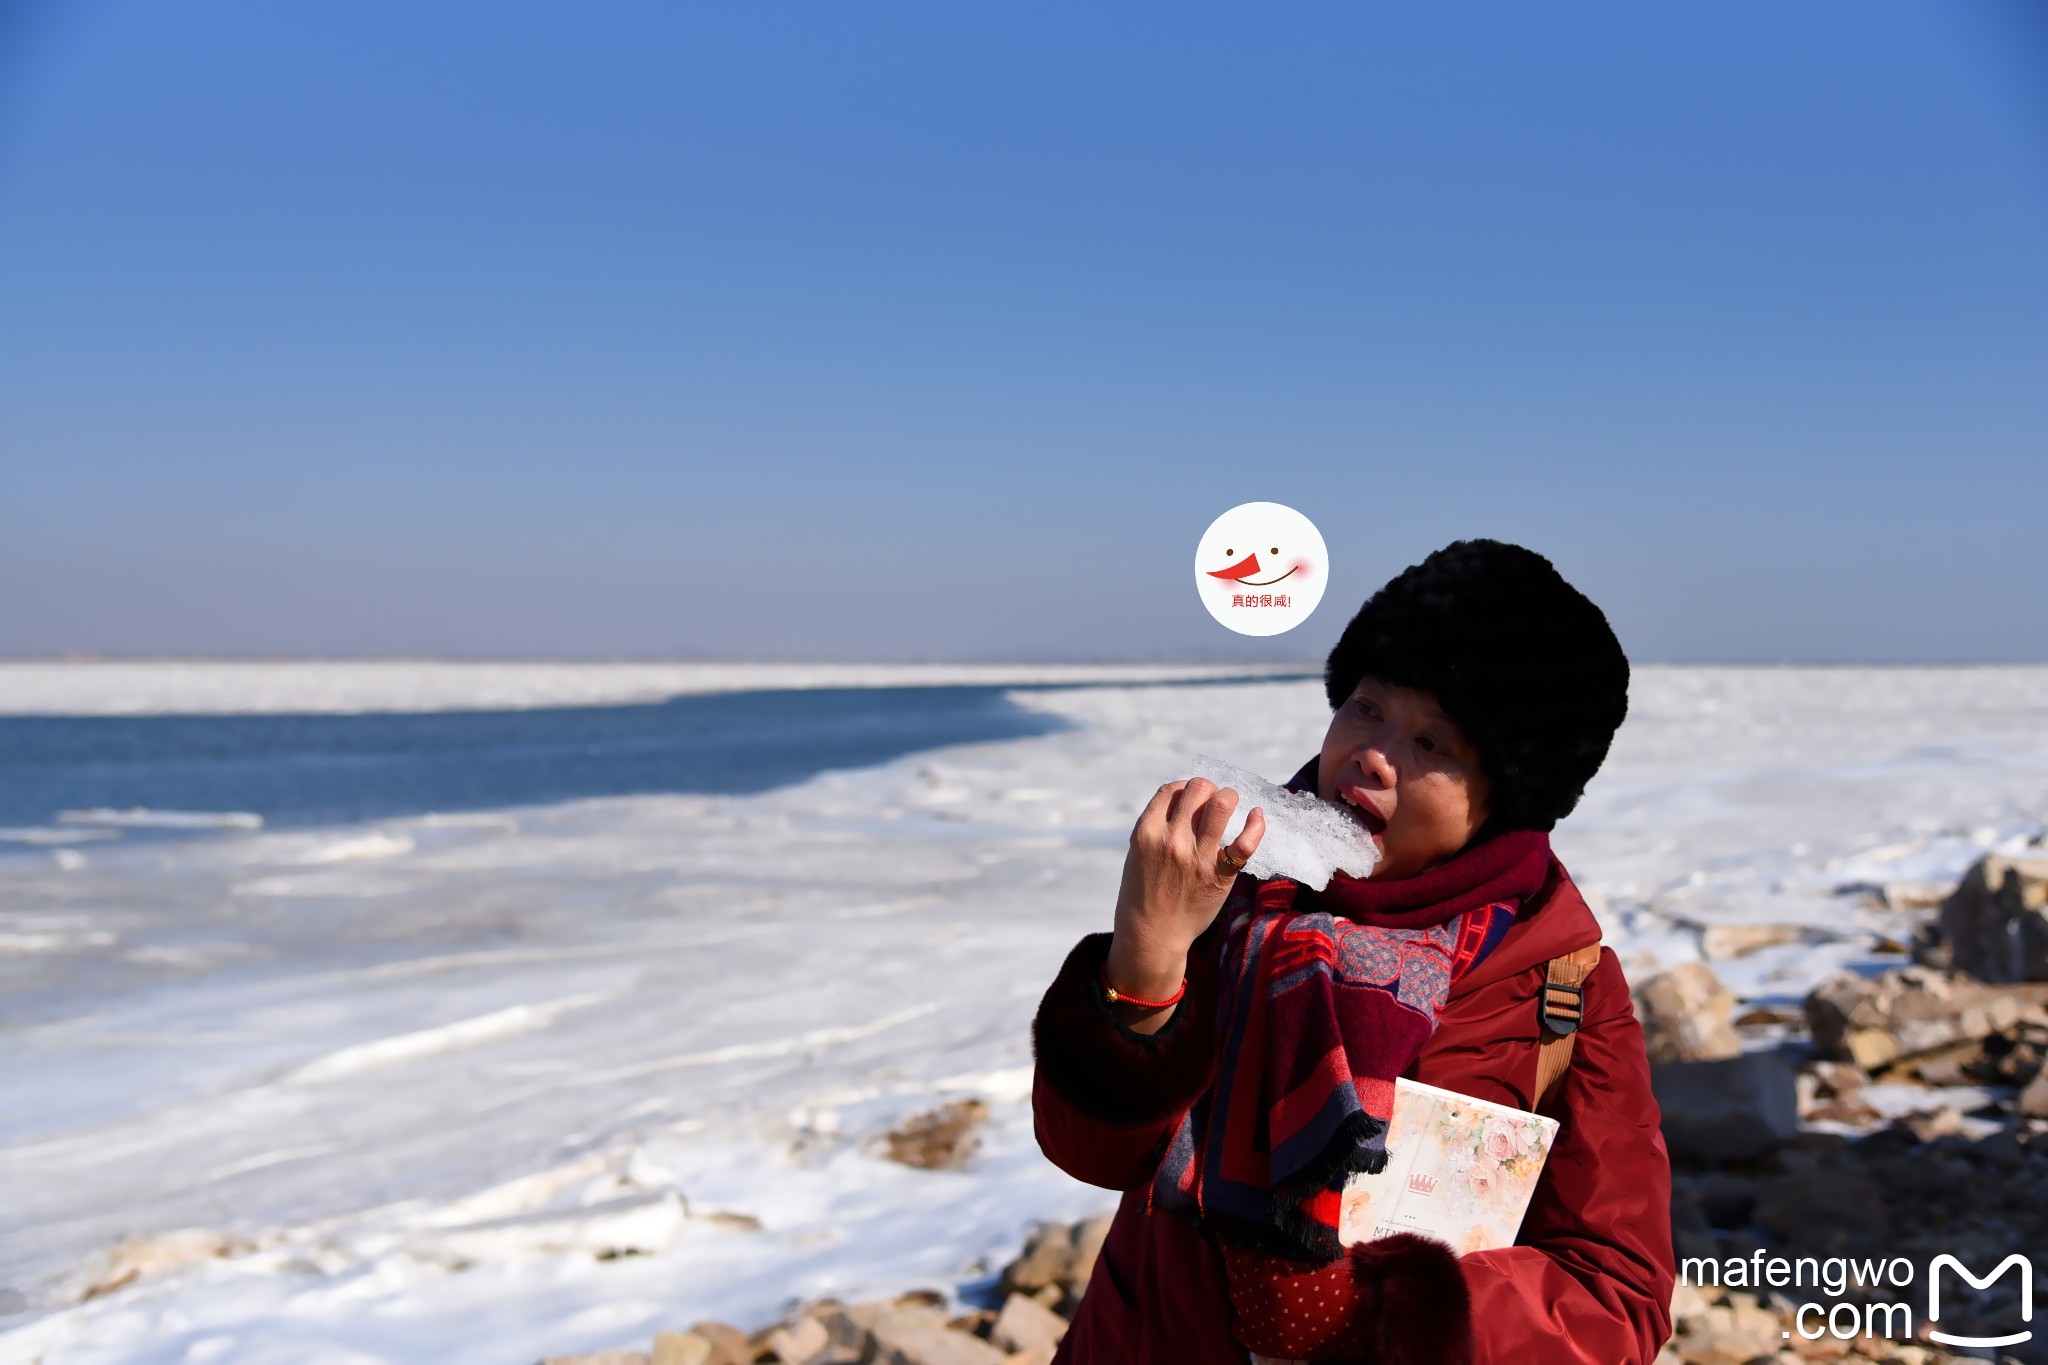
[(1226, 1056)]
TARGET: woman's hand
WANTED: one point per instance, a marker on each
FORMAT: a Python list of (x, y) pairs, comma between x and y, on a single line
[(1175, 880)]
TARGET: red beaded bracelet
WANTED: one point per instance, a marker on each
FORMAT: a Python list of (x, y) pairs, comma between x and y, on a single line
[(1113, 995)]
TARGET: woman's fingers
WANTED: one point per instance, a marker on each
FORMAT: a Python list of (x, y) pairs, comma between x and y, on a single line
[(1211, 821), (1156, 816), (1247, 841), (1186, 820), (1187, 802)]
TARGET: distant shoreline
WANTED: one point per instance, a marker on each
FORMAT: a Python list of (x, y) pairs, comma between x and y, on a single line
[(136, 687), (334, 687), (95, 659)]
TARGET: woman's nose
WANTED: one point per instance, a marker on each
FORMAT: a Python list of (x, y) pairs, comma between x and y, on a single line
[(1378, 768)]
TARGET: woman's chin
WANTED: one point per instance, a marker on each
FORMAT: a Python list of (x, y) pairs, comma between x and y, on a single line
[(1389, 869)]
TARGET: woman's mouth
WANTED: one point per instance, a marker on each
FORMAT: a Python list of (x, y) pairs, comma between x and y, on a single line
[(1353, 800)]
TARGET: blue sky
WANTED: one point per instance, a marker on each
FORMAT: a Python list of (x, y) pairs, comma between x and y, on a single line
[(890, 331)]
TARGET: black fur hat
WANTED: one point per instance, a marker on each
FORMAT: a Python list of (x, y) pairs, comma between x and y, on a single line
[(1519, 658)]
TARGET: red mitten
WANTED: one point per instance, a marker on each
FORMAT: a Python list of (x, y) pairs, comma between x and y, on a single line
[(1398, 1300)]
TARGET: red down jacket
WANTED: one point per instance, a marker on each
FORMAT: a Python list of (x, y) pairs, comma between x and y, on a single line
[(1589, 1281)]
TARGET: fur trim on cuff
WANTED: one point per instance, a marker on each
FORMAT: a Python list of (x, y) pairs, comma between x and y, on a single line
[(1421, 1311), (1114, 1074)]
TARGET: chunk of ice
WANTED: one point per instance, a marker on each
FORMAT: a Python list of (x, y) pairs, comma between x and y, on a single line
[(1307, 838)]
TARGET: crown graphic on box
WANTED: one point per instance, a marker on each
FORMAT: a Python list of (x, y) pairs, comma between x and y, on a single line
[(1422, 1184)]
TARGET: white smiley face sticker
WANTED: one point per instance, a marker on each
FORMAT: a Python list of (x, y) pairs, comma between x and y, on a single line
[(1261, 568)]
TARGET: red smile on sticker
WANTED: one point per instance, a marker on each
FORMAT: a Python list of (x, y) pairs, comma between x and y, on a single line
[(1242, 571)]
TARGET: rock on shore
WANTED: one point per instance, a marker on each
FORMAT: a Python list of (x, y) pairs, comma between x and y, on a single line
[(1040, 1290)]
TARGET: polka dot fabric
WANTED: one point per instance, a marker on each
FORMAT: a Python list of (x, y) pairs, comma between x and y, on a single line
[(1296, 1311)]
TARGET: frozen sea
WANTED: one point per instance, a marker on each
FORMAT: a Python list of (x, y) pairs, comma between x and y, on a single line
[(484, 1012)]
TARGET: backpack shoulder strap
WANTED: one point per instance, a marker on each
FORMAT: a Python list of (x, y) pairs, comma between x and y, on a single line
[(1562, 1006)]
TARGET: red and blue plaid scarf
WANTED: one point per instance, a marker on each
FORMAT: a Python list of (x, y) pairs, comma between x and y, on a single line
[(1325, 999)]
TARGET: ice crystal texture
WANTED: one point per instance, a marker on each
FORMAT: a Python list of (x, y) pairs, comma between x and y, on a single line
[(1307, 838)]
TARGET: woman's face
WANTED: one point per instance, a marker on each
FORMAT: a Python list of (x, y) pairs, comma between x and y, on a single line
[(1412, 776)]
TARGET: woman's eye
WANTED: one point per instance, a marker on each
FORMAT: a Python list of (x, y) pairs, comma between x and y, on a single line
[(1427, 745)]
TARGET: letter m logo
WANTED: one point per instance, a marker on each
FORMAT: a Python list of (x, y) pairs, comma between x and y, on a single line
[(2026, 1269)]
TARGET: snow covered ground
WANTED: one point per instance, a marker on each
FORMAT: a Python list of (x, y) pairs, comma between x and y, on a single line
[(413, 1076)]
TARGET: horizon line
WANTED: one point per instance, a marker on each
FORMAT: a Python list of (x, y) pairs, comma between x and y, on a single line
[(1072, 661)]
